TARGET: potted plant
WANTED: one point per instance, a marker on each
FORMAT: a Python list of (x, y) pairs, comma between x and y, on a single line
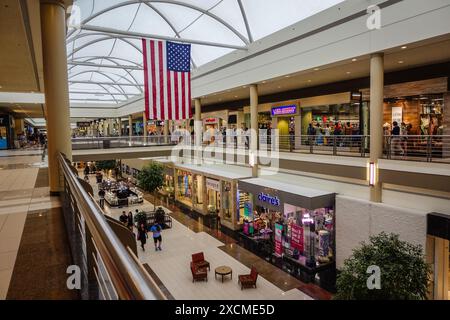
[(403, 271), (151, 178)]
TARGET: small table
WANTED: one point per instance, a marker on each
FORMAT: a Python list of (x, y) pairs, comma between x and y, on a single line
[(223, 271)]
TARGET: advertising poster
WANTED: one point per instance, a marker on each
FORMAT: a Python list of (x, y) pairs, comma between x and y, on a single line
[(297, 238), (278, 239)]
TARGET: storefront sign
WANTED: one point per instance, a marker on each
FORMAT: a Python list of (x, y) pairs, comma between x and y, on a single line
[(278, 239), (397, 115), (284, 110), (213, 185), (83, 124), (211, 120), (274, 201), (297, 237)]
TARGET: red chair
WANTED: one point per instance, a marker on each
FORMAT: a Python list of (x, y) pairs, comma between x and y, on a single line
[(198, 274), (198, 259), (248, 280)]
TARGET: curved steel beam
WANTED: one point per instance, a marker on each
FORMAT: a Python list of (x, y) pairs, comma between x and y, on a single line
[(109, 59), (103, 74), (113, 58), (106, 37), (247, 25), (183, 4)]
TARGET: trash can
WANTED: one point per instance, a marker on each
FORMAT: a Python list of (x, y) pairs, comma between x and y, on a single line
[(106, 144)]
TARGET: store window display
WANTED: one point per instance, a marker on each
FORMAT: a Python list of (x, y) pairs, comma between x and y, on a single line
[(213, 194), (227, 200), (184, 187), (197, 197)]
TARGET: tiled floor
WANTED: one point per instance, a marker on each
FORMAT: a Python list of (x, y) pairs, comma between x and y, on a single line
[(19, 171)]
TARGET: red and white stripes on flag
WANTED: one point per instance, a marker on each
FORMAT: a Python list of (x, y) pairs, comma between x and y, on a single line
[(167, 92)]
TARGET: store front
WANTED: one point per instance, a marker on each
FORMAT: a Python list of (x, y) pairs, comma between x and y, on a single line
[(291, 226), (286, 118)]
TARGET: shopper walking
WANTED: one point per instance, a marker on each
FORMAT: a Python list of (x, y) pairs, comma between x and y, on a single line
[(124, 218), (130, 221), (101, 194), (157, 238), (142, 236)]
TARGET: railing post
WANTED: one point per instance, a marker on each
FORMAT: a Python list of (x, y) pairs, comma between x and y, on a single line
[(334, 146), (362, 140), (311, 147), (429, 149)]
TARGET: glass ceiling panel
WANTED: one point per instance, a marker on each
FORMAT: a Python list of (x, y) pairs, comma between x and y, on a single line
[(213, 21), (230, 12), (206, 28), (149, 21), (120, 18)]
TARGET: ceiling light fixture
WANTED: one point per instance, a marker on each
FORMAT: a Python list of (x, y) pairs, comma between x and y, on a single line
[(401, 62), (316, 69), (264, 81), (354, 60), (309, 81), (404, 47), (348, 72)]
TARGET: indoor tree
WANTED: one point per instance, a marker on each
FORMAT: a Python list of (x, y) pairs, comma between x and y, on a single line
[(106, 165), (404, 273), (151, 178)]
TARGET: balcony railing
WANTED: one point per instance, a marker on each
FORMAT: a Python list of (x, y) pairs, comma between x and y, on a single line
[(108, 270), (413, 148)]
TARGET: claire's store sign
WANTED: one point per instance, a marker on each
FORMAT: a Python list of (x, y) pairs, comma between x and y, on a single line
[(284, 110), (267, 198)]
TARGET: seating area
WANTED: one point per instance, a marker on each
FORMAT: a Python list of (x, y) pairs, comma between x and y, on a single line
[(248, 280), (200, 267)]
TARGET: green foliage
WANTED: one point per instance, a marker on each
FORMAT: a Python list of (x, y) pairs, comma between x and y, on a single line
[(140, 218), (106, 164), (151, 178), (404, 272)]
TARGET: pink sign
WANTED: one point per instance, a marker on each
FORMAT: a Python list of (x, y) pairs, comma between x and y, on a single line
[(278, 239), (297, 238)]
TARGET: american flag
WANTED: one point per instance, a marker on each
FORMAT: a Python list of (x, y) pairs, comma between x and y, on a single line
[(167, 73)]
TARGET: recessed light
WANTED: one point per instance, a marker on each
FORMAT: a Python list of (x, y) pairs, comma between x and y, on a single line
[(348, 72), (354, 60), (288, 76), (279, 87), (236, 96), (404, 47), (264, 81), (401, 62), (310, 81), (316, 69), (245, 87)]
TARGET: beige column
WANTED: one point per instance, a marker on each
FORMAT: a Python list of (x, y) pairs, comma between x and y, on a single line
[(298, 131), (130, 124), (53, 30), (254, 127), (144, 120), (376, 119), (119, 121)]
